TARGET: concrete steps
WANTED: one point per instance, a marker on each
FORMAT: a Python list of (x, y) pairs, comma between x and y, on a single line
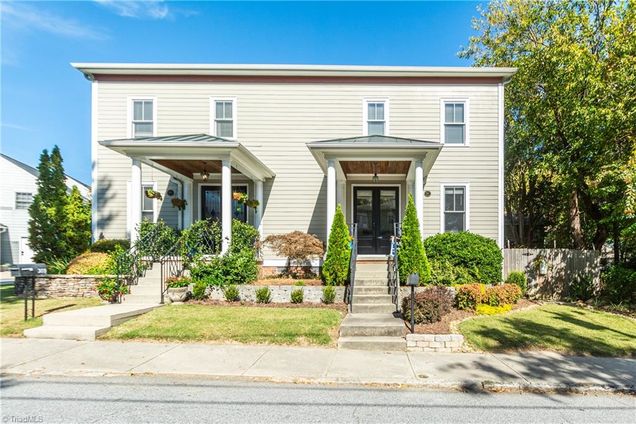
[(372, 308), (374, 299), (364, 290), (377, 343), (371, 325)]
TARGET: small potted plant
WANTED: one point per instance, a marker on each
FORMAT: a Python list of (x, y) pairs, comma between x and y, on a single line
[(152, 194), (178, 289), (179, 203), (110, 291)]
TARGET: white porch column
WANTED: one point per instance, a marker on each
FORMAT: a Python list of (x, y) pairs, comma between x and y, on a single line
[(226, 204), (419, 193), (136, 199), (258, 212), (331, 193), (188, 211)]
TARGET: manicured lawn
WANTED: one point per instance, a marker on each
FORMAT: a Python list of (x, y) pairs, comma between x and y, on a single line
[(202, 323), (560, 328), (12, 322)]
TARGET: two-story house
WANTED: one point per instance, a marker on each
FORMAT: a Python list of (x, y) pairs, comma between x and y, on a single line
[(299, 139)]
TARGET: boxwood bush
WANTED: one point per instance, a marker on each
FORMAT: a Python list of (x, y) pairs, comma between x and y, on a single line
[(297, 296), (474, 258), (328, 295), (518, 278), (108, 246), (231, 293), (263, 295)]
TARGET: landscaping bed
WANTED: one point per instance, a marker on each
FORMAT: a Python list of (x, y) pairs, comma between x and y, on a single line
[(12, 322), (204, 322), (560, 328), (342, 307)]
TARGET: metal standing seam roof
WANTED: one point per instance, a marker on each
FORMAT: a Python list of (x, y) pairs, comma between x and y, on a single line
[(188, 138), (374, 141)]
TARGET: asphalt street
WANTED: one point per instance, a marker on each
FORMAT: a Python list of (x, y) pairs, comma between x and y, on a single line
[(178, 400)]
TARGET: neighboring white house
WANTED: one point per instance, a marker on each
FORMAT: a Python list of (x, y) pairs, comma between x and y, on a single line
[(18, 185), (299, 139)]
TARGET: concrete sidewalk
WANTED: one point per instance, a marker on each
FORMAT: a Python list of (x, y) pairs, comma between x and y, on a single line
[(537, 371)]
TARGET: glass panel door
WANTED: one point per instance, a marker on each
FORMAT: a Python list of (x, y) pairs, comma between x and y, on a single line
[(375, 211), (211, 203)]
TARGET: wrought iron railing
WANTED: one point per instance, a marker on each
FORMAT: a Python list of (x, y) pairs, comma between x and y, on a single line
[(173, 264), (394, 267), (133, 263), (352, 264)]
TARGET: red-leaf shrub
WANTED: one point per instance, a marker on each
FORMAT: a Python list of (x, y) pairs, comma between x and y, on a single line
[(431, 305), (470, 295)]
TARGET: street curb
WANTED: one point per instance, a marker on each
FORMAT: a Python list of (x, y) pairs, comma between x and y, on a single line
[(475, 386)]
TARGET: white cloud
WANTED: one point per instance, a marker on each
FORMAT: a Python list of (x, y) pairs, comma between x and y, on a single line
[(26, 17), (139, 9)]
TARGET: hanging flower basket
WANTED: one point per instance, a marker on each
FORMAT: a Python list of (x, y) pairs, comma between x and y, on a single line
[(151, 194), (179, 203), (244, 200)]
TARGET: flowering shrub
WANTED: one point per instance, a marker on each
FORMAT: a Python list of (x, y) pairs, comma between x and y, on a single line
[(178, 282)]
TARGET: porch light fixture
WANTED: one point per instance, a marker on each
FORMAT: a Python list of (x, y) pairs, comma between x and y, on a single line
[(204, 174), (375, 179)]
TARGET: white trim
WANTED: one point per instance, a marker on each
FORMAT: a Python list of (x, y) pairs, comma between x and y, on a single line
[(234, 100), (365, 114), (377, 185), (94, 160), (155, 212), (442, 119), (442, 205), (129, 114), (219, 185), (500, 131)]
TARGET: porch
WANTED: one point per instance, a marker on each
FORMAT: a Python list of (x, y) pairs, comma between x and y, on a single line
[(208, 170), (371, 178)]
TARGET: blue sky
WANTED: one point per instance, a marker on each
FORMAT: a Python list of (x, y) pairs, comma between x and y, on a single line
[(46, 102)]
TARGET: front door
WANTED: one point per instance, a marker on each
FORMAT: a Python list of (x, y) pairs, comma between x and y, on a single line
[(211, 203), (375, 210)]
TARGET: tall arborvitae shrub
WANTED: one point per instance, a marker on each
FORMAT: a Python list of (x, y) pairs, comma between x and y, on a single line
[(335, 270), (78, 223), (411, 254), (47, 226)]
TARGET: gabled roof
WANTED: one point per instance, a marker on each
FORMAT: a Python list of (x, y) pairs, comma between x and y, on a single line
[(374, 141)]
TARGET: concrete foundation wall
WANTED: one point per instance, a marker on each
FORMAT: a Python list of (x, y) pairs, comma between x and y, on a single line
[(280, 294)]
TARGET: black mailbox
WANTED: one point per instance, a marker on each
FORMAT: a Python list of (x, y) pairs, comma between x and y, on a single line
[(413, 280), (28, 270)]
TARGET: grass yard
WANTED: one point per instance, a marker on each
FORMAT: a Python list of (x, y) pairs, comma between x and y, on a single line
[(12, 322), (560, 328), (243, 324)]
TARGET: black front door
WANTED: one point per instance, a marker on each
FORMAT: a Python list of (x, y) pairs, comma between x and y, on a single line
[(375, 209)]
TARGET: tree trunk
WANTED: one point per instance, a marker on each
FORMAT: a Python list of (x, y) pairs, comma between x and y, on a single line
[(575, 221)]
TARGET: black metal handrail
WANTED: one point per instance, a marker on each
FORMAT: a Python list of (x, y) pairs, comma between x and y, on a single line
[(394, 271), (172, 264), (133, 263), (352, 263)]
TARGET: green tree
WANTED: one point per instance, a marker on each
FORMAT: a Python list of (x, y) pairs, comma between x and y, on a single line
[(47, 224), (570, 113), (411, 254), (78, 223), (335, 270)]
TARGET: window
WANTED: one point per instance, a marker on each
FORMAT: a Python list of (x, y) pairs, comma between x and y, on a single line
[(147, 204), (143, 118), (454, 123), (224, 118), (23, 200), (375, 118), (454, 208)]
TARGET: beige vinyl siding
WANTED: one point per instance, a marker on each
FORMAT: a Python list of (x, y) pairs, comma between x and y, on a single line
[(276, 120)]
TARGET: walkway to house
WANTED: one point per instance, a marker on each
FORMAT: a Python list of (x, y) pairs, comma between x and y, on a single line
[(89, 323), (527, 370)]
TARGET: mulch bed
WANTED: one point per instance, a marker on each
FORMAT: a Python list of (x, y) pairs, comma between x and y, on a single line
[(448, 323), (286, 282), (337, 306)]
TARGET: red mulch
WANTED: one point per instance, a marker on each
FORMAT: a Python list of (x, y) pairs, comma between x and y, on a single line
[(337, 306), (445, 325)]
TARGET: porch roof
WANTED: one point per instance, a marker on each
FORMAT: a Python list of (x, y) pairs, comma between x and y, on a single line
[(190, 147), (374, 148)]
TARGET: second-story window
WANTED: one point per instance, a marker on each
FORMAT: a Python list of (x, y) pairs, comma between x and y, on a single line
[(376, 118), (224, 118), (23, 200), (142, 120), (455, 122)]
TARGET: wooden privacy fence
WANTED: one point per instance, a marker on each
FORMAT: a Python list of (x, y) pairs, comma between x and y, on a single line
[(550, 271)]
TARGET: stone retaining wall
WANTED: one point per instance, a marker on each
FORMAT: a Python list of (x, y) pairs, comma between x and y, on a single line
[(280, 294), (434, 342), (62, 285)]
